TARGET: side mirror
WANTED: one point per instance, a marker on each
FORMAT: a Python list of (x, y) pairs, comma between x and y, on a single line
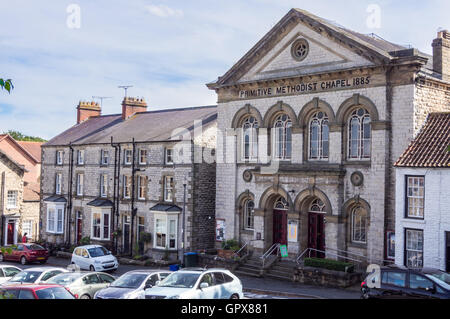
[(432, 290), (157, 283), (148, 285), (108, 252), (204, 285)]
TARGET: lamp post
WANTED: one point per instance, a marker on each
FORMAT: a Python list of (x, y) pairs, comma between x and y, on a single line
[(183, 229)]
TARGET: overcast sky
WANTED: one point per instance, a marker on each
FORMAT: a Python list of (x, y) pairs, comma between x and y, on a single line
[(166, 49)]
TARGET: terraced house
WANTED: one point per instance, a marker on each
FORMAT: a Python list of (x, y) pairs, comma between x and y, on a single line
[(115, 178), (314, 117)]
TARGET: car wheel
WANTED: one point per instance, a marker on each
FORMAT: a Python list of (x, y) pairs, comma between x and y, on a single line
[(1, 258), (23, 260), (91, 268), (85, 297), (234, 296)]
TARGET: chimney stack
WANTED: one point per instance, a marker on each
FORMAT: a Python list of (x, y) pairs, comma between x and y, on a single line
[(85, 110), (132, 105), (441, 54)]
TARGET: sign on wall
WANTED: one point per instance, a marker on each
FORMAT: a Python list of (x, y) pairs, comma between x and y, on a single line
[(283, 251), (292, 230), (390, 244), (220, 229)]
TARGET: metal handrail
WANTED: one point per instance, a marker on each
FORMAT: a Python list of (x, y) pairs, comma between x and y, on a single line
[(269, 252), (241, 249), (309, 250)]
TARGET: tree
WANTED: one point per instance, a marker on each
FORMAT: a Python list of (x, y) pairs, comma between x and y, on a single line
[(6, 84), (18, 136)]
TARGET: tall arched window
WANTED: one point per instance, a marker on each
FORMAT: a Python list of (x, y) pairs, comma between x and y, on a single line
[(318, 136), (281, 204), (249, 214), (317, 206), (359, 225), (250, 139), (359, 135), (282, 137)]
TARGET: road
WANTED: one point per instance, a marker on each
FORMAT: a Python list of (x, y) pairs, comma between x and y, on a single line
[(255, 288)]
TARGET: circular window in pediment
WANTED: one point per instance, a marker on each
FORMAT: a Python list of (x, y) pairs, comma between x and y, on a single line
[(300, 49)]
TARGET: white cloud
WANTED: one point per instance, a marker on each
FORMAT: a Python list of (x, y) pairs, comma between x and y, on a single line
[(163, 11)]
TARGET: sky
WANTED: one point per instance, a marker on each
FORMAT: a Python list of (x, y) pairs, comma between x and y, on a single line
[(59, 52)]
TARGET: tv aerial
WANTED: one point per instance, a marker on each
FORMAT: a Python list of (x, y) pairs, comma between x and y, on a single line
[(101, 98), (125, 87)]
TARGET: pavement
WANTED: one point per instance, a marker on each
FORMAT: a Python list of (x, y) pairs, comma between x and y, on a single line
[(254, 288)]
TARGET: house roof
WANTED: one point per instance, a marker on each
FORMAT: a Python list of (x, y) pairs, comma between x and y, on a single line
[(12, 161), (56, 199), (430, 147), (101, 202), (31, 192), (154, 126), (34, 148), (165, 208)]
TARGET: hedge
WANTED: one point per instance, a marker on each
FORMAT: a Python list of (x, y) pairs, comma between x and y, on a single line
[(329, 264)]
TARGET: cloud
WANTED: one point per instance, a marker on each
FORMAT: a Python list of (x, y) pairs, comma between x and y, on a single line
[(163, 11)]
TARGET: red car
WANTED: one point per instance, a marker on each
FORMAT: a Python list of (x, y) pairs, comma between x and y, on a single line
[(25, 253), (32, 291)]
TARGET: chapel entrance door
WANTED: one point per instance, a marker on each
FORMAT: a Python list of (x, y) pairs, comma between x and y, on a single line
[(316, 234)]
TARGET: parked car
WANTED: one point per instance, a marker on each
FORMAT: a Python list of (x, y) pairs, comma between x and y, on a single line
[(198, 284), (132, 284), (34, 275), (94, 258), (7, 272), (82, 285), (404, 283), (32, 291), (25, 253)]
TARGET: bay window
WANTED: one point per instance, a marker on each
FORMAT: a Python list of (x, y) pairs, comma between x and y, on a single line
[(166, 226), (101, 224), (55, 218)]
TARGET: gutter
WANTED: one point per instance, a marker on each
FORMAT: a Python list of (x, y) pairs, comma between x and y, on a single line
[(115, 212), (69, 196)]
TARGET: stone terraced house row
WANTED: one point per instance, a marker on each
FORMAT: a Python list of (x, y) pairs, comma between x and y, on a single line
[(313, 118), (422, 198), (123, 180)]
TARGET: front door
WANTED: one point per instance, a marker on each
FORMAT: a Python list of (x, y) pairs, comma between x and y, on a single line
[(447, 255), (79, 227), (280, 227), (126, 235), (10, 235), (316, 234)]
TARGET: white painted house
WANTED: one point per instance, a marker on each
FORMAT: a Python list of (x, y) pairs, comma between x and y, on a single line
[(423, 198)]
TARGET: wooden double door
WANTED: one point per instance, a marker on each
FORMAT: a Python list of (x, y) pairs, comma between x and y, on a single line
[(316, 234), (280, 227)]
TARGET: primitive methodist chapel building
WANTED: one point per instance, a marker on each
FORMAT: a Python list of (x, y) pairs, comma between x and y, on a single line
[(311, 121)]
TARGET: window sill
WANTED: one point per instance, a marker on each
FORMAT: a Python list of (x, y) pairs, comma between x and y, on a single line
[(414, 220), (366, 163)]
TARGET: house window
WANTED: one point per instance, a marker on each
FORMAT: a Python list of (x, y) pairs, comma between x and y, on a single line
[(101, 223), (126, 186), (414, 248), (59, 157), (359, 225), (128, 157), (80, 184), (415, 196), (168, 188), (142, 156), (103, 185), (249, 213), (141, 226), (169, 156), (250, 139), (58, 178), (359, 132), (11, 200), (166, 231), (282, 137), (80, 157), (104, 157), (141, 187), (27, 228), (318, 136), (55, 219)]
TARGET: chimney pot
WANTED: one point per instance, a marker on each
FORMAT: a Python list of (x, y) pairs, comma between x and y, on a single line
[(85, 110), (441, 54), (132, 105)]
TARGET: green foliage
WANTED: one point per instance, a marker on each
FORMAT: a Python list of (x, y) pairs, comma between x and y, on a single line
[(145, 237), (136, 250), (7, 249), (18, 136), (231, 244), (85, 240), (329, 264), (6, 85)]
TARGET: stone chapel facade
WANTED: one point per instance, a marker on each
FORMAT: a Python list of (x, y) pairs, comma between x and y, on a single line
[(310, 123)]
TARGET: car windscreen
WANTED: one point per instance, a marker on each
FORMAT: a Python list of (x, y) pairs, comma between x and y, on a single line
[(35, 247), (26, 276), (65, 278), (441, 278), (180, 280), (129, 281), (97, 252), (54, 293)]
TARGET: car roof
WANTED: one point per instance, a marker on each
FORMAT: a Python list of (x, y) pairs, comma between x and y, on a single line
[(144, 271), (12, 266), (201, 270), (89, 246), (44, 268), (30, 286)]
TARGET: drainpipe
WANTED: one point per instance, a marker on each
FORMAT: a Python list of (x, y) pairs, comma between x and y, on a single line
[(133, 210), (115, 210), (69, 199)]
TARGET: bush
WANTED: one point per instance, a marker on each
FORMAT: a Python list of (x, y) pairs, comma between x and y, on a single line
[(231, 244), (329, 264), (85, 241)]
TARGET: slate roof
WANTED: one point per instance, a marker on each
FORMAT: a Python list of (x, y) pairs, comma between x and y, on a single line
[(430, 147), (56, 199), (154, 126), (166, 208), (100, 202)]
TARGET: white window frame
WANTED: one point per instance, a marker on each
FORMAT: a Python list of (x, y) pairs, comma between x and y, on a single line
[(102, 224), (59, 157), (128, 157), (141, 188), (58, 183), (142, 152), (416, 194), (57, 212), (166, 156), (80, 184), (126, 187), (284, 126), (321, 124), (80, 157), (167, 218), (104, 160), (27, 227), (168, 188), (249, 216), (103, 185), (360, 228), (12, 196), (250, 128), (420, 262), (361, 141)]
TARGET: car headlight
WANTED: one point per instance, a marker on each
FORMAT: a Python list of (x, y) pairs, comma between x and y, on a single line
[(97, 261), (132, 295)]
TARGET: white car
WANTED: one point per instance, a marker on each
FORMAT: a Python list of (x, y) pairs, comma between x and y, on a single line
[(197, 283), (94, 258), (34, 275), (7, 272)]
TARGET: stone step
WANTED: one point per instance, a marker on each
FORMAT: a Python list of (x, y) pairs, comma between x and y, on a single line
[(278, 277), (248, 268), (238, 273), (283, 268), (280, 273), (253, 263)]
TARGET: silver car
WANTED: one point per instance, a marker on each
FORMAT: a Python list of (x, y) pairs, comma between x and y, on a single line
[(83, 285), (34, 275), (7, 272)]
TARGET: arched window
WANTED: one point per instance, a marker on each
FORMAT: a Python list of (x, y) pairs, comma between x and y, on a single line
[(317, 206), (359, 133), (250, 139), (249, 214), (282, 137), (281, 204), (359, 225), (318, 136)]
